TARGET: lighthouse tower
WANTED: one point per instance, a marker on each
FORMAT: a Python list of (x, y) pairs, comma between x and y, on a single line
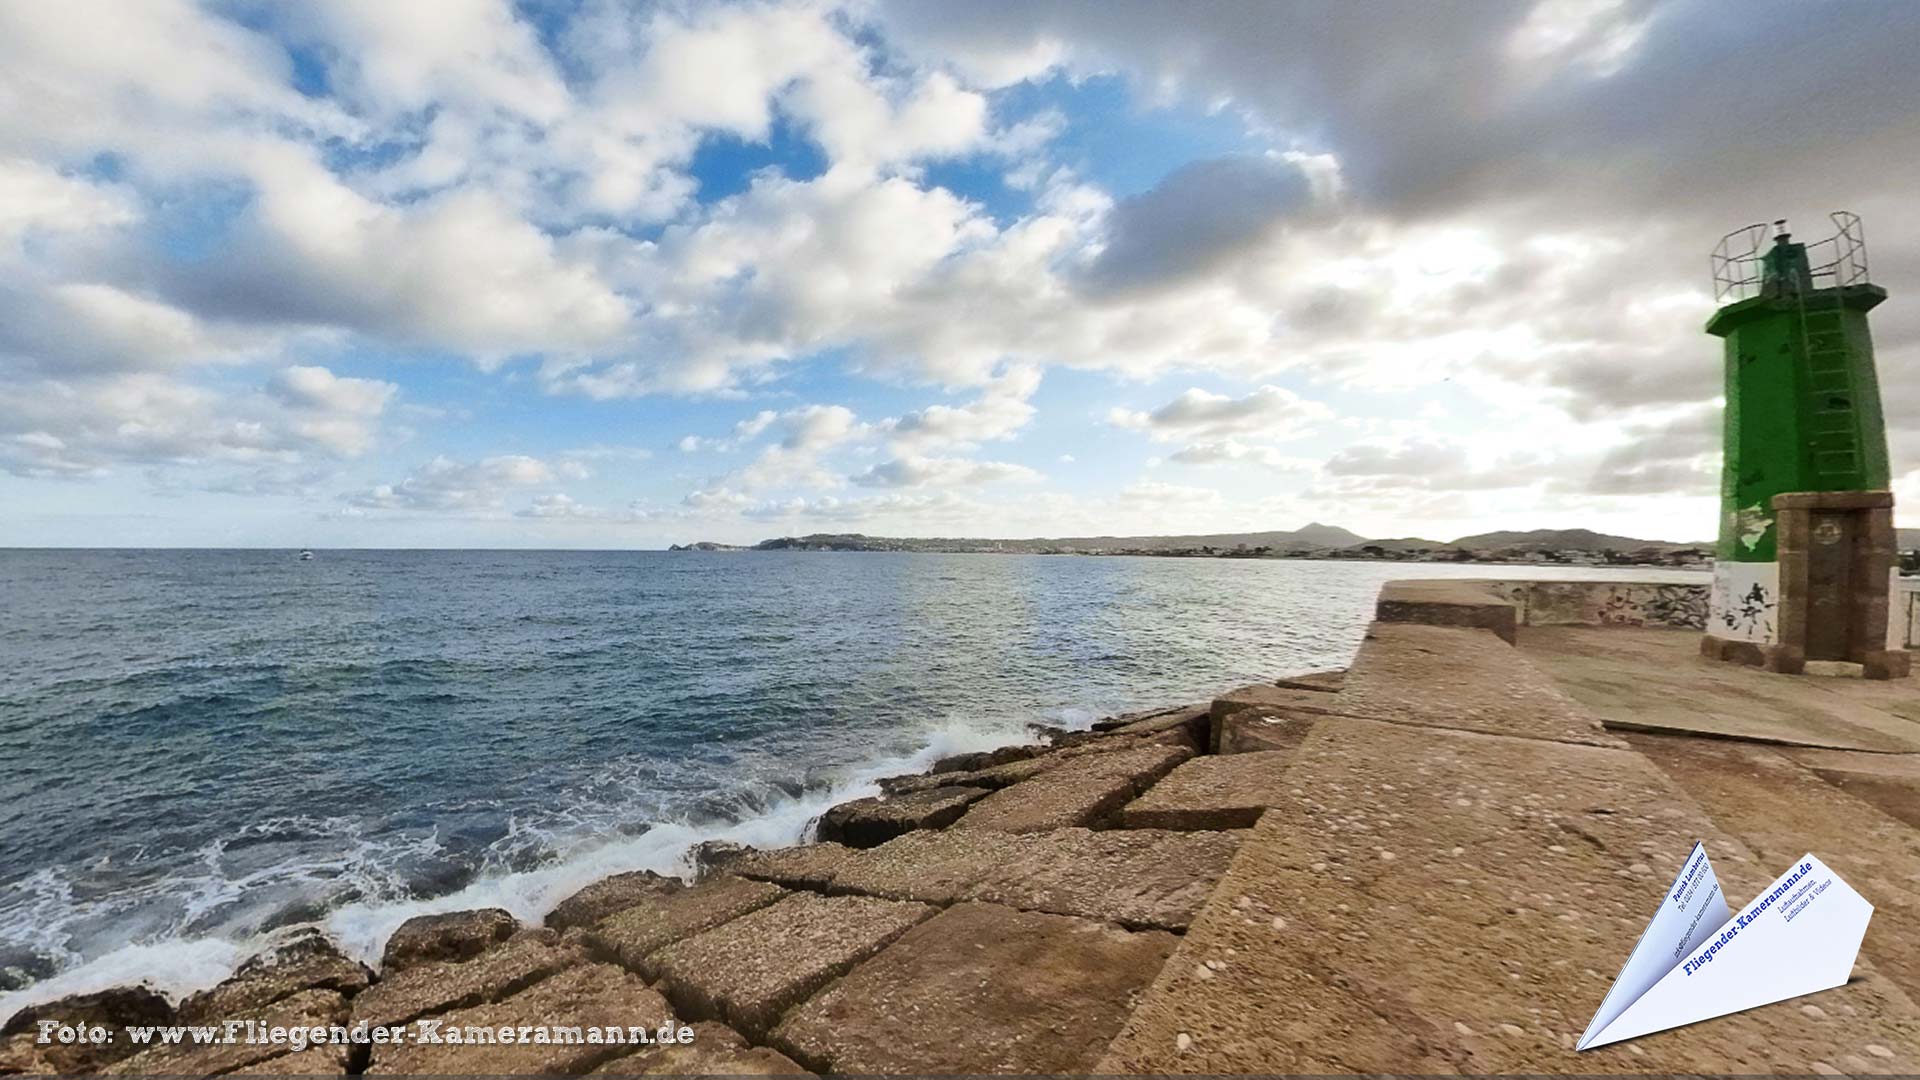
[(1805, 574)]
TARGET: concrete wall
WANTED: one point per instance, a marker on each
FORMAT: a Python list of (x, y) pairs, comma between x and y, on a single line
[(1606, 603), (1622, 603)]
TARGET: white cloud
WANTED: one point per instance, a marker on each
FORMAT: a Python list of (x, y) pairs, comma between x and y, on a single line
[(1229, 450), (1000, 411), (1272, 412), (444, 485), (917, 472), (34, 196)]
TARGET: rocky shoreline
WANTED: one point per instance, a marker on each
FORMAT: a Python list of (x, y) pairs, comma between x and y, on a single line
[(1426, 865), (1054, 835)]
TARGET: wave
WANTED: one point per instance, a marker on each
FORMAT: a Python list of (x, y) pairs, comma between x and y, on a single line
[(206, 936)]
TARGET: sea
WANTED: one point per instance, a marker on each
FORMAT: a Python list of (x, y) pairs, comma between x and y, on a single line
[(199, 748)]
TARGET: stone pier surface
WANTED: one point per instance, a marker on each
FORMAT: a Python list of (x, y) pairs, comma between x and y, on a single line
[(1434, 862)]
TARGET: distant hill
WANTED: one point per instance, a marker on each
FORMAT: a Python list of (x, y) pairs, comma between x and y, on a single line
[(1908, 539), (1311, 537), (1332, 536), (1562, 540), (1407, 545), (1314, 539)]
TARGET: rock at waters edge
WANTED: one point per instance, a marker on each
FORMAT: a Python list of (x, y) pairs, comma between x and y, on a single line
[(456, 935), (111, 1009), (305, 959), (608, 895), (866, 823)]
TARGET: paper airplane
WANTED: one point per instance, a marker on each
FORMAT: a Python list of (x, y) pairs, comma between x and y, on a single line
[(1697, 960)]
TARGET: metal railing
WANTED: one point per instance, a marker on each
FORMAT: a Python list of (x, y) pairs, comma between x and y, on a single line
[(1739, 259)]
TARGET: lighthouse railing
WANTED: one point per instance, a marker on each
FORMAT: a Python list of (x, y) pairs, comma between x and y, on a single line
[(1838, 261), (1736, 263)]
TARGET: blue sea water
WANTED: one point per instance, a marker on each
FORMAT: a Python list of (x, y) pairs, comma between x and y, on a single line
[(203, 746)]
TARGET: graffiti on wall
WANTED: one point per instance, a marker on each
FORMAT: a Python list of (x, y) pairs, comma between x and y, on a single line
[(1746, 598), (1607, 603)]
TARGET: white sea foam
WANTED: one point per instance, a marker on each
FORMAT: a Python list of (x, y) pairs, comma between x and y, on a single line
[(177, 965)]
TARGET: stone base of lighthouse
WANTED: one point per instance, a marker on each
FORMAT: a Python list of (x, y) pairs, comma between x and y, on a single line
[(1829, 605)]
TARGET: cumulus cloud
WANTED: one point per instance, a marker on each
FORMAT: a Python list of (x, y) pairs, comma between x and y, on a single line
[(34, 197), (444, 485), (1001, 410), (1227, 451), (1196, 219), (916, 472), (1506, 200), (1271, 412)]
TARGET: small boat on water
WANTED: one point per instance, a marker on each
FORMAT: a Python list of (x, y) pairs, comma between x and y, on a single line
[(306, 555)]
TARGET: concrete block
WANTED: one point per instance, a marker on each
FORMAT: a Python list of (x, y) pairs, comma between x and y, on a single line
[(423, 989), (635, 934), (1221, 791), (866, 823), (1137, 878), (979, 989), (1084, 791), (750, 971), (608, 895), (593, 995)]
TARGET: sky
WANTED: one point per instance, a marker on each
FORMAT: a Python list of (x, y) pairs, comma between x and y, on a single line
[(475, 273)]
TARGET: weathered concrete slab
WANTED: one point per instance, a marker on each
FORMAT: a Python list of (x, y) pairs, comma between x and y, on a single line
[(1141, 879), (1251, 731), (1782, 810), (1331, 681), (994, 777), (1072, 746), (635, 934), (1890, 782), (593, 995), (608, 895), (1149, 721), (1443, 602), (716, 1050), (1446, 677), (1223, 791), (1191, 719), (1445, 901), (1654, 680), (803, 866), (1263, 699), (928, 867), (751, 970), (438, 987), (307, 1009), (305, 960), (1082, 791), (979, 989), (456, 935), (984, 759), (866, 823)]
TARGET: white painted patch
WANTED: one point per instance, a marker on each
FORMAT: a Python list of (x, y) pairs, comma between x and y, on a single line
[(1751, 524), (1745, 602), (1903, 612)]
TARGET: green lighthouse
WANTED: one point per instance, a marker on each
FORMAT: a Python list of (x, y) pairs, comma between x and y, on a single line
[(1805, 569)]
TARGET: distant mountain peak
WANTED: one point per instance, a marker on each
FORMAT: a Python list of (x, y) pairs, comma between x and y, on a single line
[(1332, 536)]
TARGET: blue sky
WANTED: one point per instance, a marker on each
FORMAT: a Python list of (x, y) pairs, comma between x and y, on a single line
[(607, 274)]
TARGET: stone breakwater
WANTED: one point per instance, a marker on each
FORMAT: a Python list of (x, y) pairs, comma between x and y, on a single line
[(1430, 863), (884, 947)]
